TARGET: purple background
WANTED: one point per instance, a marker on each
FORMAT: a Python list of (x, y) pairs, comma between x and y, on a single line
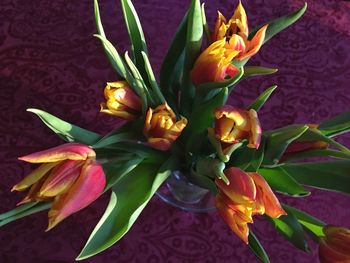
[(49, 60)]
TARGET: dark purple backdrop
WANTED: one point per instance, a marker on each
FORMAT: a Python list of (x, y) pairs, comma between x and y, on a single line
[(49, 60)]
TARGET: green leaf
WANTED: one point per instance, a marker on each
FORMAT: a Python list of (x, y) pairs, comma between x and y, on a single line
[(152, 79), (203, 116), (314, 225), (129, 197), (278, 141), (263, 97), (115, 59), (329, 175), (335, 126), (280, 24), (203, 181), (116, 170), (281, 181), (17, 210), (171, 60), (248, 159), (316, 153), (291, 229), (140, 85), (250, 71), (205, 24), (207, 91), (192, 49), (137, 38), (257, 248), (120, 137), (65, 130), (37, 207)]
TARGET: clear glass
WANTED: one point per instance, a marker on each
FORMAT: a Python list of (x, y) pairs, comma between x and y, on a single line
[(179, 192)]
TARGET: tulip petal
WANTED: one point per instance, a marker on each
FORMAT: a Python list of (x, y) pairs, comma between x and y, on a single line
[(34, 176), (33, 194), (220, 28), (238, 226), (70, 151), (241, 189), (254, 45), (241, 17), (266, 197), (159, 143), (330, 254), (61, 178), (86, 189), (255, 138)]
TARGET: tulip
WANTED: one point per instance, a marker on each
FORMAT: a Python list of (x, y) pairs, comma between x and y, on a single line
[(162, 128), (233, 125), (246, 194), (69, 176), (334, 247), (214, 64), (121, 101), (235, 32)]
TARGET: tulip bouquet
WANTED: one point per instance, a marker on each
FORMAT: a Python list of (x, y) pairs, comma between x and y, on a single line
[(183, 123)]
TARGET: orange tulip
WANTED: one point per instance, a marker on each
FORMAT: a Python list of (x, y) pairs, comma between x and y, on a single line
[(235, 32), (121, 101), (247, 194), (214, 64), (335, 246), (69, 176), (233, 125), (161, 127)]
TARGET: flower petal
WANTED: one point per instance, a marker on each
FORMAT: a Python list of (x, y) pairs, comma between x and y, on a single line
[(237, 225), (86, 189), (266, 197), (241, 189), (61, 178), (70, 151), (34, 176), (255, 138)]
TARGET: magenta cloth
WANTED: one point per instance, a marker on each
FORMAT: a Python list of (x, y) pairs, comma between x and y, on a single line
[(50, 60)]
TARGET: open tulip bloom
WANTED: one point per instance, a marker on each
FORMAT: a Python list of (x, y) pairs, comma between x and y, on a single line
[(183, 123)]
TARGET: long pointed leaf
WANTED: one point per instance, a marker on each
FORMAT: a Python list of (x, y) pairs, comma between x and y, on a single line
[(337, 125), (263, 97), (128, 199), (257, 248), (137, 38), (65, 130)]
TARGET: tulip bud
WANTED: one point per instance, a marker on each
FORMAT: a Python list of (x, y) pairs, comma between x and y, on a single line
[(161, 127), (121, 101)]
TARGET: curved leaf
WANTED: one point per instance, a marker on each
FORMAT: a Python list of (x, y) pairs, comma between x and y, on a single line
[(250, 71), (312, 224), (257, 248), (337, 125), (281, 181), (329, 175), (263, 97), (291, 229), (279, 24), (192, 49), (65, 130), (129, 197), (137, 38)]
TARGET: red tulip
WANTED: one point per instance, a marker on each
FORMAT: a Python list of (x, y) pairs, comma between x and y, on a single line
[(247, 194), (335, 246), (69, 176)]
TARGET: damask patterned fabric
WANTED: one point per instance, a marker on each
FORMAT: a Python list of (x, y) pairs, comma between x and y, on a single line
[(49, 60)]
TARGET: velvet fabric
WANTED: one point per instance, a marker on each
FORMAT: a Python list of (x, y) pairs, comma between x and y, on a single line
[(50, 60)]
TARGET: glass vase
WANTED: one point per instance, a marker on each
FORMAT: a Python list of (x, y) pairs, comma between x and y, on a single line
[(179, 192)]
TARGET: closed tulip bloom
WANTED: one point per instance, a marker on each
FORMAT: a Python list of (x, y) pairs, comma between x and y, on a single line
[(69, 176), (122, 101), (334, 247), (233, 125), (214, 64), (236, 32), (247, 194), (162, 128)]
